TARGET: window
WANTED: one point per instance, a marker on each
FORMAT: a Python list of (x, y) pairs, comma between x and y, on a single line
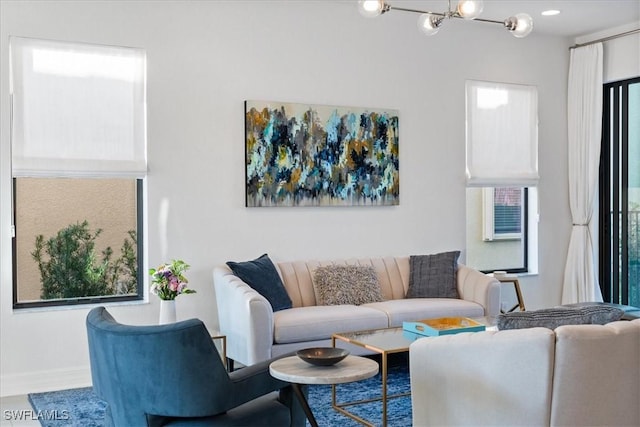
[(78, 165), (619, 227), (504, 213), (493, 242), (502, 172)]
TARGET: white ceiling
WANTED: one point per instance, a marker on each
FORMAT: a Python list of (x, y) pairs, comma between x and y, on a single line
[(576, 18)]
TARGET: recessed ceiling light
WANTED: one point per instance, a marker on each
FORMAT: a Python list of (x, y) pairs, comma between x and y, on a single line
[(550, 12)]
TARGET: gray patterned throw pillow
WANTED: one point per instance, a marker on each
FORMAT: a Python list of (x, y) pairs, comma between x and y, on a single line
[(433, 276), (558, 316), (346, 284)]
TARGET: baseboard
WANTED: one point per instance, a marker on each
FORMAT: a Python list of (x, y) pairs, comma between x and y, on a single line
[(36, 382)]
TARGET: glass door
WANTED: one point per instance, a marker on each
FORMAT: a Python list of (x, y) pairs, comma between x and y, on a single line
[(620, 193)]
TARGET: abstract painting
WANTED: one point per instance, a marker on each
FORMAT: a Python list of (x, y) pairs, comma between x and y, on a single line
[(314, 155)]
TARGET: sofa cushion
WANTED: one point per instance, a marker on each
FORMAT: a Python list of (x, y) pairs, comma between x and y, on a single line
[(433, 276), (262, 276), (596, 380), (301, 324), (346, 284), (553, 317), (413, 309), (483, 379)]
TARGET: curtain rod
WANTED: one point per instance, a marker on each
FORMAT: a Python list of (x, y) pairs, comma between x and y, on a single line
[(604, 39)]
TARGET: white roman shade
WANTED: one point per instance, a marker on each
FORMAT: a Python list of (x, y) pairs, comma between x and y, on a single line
[(501, 134), (78, 109)]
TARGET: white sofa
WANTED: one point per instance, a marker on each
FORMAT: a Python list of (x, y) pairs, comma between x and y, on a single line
[(577, 375), (255, 333)]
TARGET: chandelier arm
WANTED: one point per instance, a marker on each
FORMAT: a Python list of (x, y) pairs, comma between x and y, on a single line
[(491, 21), (403, 9), (444, 15)]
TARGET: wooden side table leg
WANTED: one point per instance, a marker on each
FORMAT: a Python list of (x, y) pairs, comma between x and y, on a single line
[(516, 284)]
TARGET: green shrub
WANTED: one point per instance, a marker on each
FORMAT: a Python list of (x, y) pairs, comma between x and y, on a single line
[(124, 272), (69, 266)]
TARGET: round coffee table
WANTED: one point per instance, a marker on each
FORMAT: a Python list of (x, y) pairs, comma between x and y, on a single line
[(297, 372)]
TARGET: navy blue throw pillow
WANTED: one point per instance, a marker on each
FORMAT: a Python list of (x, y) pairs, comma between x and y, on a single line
[(262, 276)]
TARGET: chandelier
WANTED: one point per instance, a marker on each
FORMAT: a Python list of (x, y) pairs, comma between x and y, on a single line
[(520, 25)]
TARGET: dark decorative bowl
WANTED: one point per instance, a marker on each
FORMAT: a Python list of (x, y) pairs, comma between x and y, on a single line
[(322, 356)]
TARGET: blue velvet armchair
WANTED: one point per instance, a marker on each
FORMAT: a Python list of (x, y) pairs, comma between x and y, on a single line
[(172, 375)]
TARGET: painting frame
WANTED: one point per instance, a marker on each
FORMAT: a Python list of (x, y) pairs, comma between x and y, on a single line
[(320, 155)]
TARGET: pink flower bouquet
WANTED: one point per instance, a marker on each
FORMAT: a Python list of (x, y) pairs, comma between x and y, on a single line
[(168, 281)]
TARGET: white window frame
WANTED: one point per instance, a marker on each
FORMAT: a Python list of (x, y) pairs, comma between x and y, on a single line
[(488, 218)]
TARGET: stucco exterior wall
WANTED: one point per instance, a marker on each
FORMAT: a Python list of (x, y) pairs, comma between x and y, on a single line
[(44, 206)]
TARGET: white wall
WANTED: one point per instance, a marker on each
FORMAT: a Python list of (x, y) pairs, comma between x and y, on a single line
[(621, 55), (204, 60)]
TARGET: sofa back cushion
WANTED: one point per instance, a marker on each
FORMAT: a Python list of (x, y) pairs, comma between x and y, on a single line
[(491, 378), (297, 276), (597, 375)]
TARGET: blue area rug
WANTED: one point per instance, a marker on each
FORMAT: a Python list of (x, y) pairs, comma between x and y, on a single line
[(68, 408), (80, 407), (398, 409)]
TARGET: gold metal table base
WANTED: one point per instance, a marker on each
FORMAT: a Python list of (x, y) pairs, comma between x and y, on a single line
[(340, 407)]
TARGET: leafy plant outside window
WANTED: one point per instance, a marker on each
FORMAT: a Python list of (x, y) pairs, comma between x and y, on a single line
[(69, 265)]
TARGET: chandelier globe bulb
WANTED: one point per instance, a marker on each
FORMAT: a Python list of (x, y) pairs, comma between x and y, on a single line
[(429, 24), (371, 8), (520, 25), (470, 9)]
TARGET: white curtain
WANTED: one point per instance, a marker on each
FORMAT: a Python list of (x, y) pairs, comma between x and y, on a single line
[(501, 134), (585, 132), (78, 109)]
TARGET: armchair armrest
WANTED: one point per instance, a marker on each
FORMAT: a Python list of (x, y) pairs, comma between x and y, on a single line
[(245, 317), (479, 288), (254, 381)]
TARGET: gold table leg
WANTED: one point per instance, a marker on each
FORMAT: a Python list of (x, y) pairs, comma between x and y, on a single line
[(223, 341), (384, 397)]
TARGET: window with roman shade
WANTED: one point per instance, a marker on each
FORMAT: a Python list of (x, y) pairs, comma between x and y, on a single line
[(501, 173), (78, 134), (78, 109)]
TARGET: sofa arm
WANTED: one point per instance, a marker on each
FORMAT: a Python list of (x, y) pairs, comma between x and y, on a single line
[(479, 288), (244, 316)]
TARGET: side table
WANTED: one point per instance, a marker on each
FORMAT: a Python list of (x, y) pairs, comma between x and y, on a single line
[(297, 372), (216, 335), (516, 285)]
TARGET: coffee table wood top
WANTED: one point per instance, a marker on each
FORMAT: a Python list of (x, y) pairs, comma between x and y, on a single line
[(295, 370)]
